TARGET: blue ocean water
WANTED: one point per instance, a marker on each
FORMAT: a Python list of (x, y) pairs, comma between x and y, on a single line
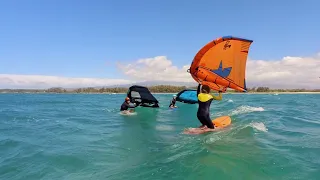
[(83, 136)]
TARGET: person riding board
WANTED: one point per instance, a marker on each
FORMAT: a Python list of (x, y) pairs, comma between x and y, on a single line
[(173, 102), (126, 105), (204, 100)]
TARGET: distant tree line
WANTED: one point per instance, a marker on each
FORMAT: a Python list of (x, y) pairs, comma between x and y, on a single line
[(267, 89), (153, 89)]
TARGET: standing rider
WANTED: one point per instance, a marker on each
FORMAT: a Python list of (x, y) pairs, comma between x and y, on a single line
[(173, 102), (204, 100)]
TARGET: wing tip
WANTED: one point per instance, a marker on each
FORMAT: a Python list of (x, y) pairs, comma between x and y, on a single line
[(237, 38)]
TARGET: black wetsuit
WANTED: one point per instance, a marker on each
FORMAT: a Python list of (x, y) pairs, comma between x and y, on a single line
[(173, 102), (203, 113), (125, 106)]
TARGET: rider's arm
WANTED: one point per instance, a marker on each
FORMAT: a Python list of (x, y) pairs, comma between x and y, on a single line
[(198, 90), (219, 97), (132, 105)]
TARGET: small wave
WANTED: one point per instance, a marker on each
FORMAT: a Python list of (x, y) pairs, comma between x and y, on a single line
[(230, 100), (246, 109), (217, 114), (108, 110), (164, 128), (128, 114), (259, 126), (177, 156), (213, 139)]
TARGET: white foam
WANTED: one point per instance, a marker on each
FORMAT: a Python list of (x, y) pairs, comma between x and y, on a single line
[(259, 126), (108, 110), (213, 139), (217, 114), (128, 114), (164, 127), (230, 100), (246, 109)]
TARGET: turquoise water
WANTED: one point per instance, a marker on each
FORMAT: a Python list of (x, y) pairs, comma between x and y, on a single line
[(80, 136)]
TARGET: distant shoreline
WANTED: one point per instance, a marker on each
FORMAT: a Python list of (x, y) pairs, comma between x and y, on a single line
[(277, 93), (158, 93), (159, 89)]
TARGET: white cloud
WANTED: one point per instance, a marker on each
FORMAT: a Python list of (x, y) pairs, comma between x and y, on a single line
[(289, 72), (38, 81), (156, 69)]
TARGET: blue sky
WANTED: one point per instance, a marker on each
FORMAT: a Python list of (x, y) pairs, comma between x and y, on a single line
[(86, 38)]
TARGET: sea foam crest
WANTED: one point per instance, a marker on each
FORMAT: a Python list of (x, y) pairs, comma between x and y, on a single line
[(259, 126), (246, 109)]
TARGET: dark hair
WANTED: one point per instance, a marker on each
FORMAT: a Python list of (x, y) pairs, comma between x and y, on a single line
[(205, 89)]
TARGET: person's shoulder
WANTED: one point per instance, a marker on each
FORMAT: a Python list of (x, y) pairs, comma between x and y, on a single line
[(203, 97), (125, 104)]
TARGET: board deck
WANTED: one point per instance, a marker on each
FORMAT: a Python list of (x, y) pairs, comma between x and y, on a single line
[(219, 123), (222, 121)]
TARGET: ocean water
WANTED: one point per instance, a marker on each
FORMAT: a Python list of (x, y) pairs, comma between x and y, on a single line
[(83, 136)]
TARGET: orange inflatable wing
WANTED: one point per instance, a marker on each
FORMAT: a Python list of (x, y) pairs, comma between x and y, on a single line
[(222, 63)]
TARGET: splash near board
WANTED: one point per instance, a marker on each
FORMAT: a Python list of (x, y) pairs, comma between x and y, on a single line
[(188, 96), (222, 63), (128, 112), (219, 123), (142, 97)]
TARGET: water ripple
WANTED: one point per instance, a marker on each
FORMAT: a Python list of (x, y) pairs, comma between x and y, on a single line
[(61, 136)]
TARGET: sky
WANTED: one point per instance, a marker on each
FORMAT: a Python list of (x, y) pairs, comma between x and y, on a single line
[(73, 43)]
